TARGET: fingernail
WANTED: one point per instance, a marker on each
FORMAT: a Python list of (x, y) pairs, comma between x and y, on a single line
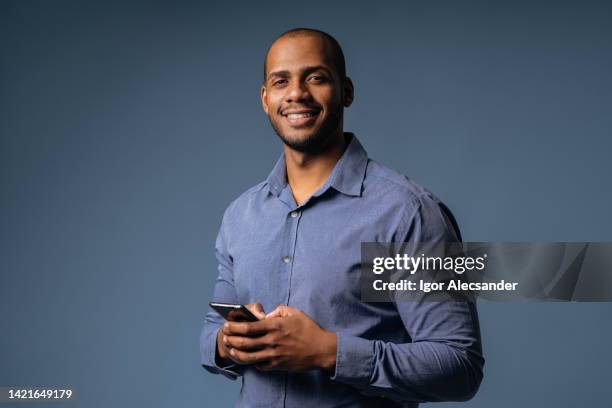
[(225, 339), (232, 352)]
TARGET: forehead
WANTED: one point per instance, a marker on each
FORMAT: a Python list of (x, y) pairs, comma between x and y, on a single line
[(293, 53)]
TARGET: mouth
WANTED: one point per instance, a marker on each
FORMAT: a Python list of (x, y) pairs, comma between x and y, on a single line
[(301, 117)]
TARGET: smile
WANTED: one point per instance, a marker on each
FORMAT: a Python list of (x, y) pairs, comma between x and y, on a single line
[(301, 118)]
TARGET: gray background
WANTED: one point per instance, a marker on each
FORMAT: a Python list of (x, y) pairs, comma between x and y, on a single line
[(126, 128)]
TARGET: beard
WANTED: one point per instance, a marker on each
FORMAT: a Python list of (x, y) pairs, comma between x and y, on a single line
[(318, 141)]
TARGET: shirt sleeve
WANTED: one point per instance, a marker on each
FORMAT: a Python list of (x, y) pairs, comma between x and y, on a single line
[(224, 292), (444, 360)]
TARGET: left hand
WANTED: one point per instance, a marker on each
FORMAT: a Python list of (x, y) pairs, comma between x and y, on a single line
[(287, 339)]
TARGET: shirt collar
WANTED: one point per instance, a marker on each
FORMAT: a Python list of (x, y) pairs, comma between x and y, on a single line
[(346, 177)]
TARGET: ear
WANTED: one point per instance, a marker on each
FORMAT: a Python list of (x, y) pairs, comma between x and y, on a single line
[(348, 92), (264, 94)]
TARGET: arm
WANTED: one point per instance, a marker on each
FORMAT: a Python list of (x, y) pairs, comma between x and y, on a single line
[(443, 362), (224, 291)]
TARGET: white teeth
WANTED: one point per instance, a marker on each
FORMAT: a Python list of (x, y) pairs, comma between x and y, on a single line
[(293, 116)]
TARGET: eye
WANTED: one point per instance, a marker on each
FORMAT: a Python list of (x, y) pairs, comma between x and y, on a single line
[(279, 82), (316, 78)]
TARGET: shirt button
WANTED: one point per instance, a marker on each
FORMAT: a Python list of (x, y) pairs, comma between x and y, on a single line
[(286, 259), (294, 214)]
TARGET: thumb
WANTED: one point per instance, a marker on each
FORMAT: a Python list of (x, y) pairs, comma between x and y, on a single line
[(257, 309), (280, 311)]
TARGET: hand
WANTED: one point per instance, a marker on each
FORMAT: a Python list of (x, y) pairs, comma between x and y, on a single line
[(224, 357), (287, 339)]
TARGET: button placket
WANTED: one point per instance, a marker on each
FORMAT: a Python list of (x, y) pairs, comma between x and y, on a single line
[(293, 220), (293, 215)]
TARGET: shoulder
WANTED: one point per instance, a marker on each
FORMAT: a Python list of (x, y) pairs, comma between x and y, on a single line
[(384, 181), (245, 200), (417, 204)]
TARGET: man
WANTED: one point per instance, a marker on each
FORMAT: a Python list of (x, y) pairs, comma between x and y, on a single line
[(290, 246)]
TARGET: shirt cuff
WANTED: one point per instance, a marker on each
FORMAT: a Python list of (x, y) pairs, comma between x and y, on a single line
[(354, 360), (231, 371)]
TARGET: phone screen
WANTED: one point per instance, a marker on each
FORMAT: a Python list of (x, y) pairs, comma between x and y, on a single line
[(234, 313)]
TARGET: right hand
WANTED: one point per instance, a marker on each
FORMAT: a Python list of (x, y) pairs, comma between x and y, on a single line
[(223, 351)]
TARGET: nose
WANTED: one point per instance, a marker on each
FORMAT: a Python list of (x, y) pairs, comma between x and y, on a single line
[(297, 91)]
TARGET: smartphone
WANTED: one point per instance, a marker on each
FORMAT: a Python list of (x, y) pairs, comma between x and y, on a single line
[(234, 313)]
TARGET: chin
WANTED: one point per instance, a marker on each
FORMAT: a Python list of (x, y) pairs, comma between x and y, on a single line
[(298, 135), (308, 139)]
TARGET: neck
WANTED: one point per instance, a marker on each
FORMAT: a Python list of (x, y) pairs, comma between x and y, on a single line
[(306, 173)]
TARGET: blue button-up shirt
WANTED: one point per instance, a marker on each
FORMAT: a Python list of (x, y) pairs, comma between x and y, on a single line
[(273, 251)]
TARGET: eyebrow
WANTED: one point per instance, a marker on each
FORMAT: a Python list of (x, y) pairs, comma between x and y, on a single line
[(304, 71)]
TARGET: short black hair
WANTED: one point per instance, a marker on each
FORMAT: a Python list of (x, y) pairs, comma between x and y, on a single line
[(337, 54)]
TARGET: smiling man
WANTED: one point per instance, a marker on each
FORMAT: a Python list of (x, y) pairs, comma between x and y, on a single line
[(290, 247)]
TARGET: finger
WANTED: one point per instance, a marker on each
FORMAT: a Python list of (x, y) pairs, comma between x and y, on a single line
[(252, 357), (280, 311), (251, 329), (247, 343), (257, 309)]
